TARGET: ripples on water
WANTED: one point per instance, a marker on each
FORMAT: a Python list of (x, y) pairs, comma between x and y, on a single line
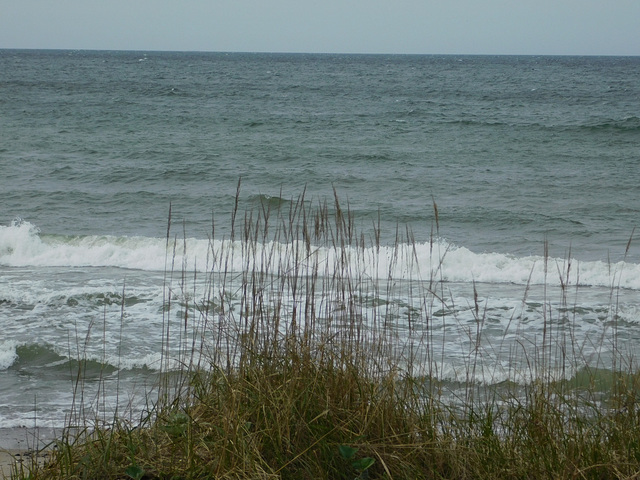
[(515, 152)]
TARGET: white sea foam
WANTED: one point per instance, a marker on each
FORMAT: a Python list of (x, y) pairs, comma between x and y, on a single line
[(21, 244), (151, 361), (8, 353)]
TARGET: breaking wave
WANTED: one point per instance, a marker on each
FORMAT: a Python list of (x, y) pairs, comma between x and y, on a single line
[(23, 245)]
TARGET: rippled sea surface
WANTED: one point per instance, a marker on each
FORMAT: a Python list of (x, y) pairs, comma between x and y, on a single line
[(523, 156)]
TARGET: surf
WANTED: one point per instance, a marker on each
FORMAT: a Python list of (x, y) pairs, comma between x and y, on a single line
[(22, 244)]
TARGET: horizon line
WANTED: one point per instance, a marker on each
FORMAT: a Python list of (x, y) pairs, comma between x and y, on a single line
[(276, 52)]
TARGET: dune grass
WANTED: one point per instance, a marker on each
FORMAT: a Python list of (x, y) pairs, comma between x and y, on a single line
[(294, 368)]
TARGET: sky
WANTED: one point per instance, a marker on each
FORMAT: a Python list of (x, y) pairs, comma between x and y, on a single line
[(527, 27)]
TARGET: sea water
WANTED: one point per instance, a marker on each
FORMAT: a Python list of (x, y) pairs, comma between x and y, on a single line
[(513, 179)]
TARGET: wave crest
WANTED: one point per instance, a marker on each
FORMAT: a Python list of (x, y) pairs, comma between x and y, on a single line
[(22, 244)]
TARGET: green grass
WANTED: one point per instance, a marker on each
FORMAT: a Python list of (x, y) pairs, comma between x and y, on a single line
[(290, 371)]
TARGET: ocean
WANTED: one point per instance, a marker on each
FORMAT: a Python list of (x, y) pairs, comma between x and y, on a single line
[(514, 179)]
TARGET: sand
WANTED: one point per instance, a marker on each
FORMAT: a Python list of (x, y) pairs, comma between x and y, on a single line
[(20, 447), (19, 460)]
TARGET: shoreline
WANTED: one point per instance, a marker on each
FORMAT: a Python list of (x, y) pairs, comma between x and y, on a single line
[(22, 445)]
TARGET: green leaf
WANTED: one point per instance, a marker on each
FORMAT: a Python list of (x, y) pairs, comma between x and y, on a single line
[(363, 463), (177, 424), (346, 451), (134, 471)]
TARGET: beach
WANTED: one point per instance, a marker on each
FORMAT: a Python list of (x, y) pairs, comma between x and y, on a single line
[(23, 446)]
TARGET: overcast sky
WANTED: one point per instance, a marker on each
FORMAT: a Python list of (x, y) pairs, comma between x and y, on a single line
[(565, 27)]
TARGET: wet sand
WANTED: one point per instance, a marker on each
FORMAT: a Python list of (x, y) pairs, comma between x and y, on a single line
[(20, 447)]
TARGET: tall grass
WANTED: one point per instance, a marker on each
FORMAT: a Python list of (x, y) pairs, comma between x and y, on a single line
[(316, 360)]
